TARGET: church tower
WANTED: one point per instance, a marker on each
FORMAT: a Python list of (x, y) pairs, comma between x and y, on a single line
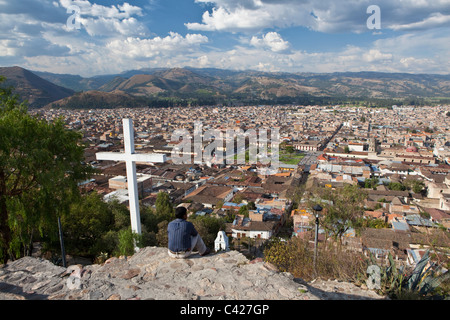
[(373, 145)]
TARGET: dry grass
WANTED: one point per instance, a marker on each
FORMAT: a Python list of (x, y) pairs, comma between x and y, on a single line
[(297, 257)]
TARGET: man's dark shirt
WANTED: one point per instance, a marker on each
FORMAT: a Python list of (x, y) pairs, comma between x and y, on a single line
[(180, 232)]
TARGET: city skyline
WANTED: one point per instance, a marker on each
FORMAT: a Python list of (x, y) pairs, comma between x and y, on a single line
[(102, 37)]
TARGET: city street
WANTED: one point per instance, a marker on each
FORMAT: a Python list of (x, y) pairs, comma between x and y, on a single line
[(310, 159)]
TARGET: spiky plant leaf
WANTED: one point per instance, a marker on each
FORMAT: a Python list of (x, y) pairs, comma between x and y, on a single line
[(430, 283), (417, 273)]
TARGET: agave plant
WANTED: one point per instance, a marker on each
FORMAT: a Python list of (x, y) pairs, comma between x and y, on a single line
[(420, 283), (425, 280)]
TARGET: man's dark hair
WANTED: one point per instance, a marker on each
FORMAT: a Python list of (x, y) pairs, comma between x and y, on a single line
[(180, 212)]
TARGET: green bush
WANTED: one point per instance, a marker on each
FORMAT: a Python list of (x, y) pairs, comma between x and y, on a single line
[(127, 242)]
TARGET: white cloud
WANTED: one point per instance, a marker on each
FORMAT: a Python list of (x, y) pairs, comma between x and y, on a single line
[(87, 8), (252, 15), (223, 19), (147, 48), (271, 40), (324, 16), (376, 55), (8, 48), (113, 27), (433, 21), (203, 61), (100, 20), (398, 54)]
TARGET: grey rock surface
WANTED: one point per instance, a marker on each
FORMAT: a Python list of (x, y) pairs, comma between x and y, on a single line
[(152, 274)]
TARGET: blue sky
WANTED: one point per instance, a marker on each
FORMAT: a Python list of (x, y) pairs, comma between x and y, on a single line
[(266, 35)]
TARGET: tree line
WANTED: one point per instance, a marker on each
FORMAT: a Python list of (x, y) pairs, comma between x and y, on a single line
[(205, 98)]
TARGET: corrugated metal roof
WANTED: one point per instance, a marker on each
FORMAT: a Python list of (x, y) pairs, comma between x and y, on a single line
[(417, 220), (400, 225)]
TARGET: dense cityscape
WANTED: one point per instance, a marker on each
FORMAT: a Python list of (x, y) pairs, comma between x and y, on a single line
[(329, 146)]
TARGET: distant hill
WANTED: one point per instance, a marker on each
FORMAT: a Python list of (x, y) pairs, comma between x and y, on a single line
[(39, 92), (183, 82), (75, 82), (97, 100), (169, 81), (187, 86)]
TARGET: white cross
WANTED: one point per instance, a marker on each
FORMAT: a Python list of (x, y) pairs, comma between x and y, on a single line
[(131, 158)]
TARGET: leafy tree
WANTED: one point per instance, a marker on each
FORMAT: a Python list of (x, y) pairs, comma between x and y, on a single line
[(290, 149), (243, 211), (377, 206), (418, 186), (162, 237), (396, 186), (87, 222), (161, 217), (150, 221), (93, 228), (371, 183), (120, 213), (374, 223), (415, 185), (40, 166), (208, 227), (342, 209), (230, 215), (163, 205)]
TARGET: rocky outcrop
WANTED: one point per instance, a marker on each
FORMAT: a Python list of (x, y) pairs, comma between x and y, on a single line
[(152, 274)]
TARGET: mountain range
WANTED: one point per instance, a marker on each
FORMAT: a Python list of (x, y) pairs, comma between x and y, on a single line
[(184, 86)]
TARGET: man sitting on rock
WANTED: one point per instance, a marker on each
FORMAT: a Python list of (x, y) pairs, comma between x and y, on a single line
[(183, 237)]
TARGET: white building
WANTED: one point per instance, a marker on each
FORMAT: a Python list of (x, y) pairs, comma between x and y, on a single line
[(246, 228)]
